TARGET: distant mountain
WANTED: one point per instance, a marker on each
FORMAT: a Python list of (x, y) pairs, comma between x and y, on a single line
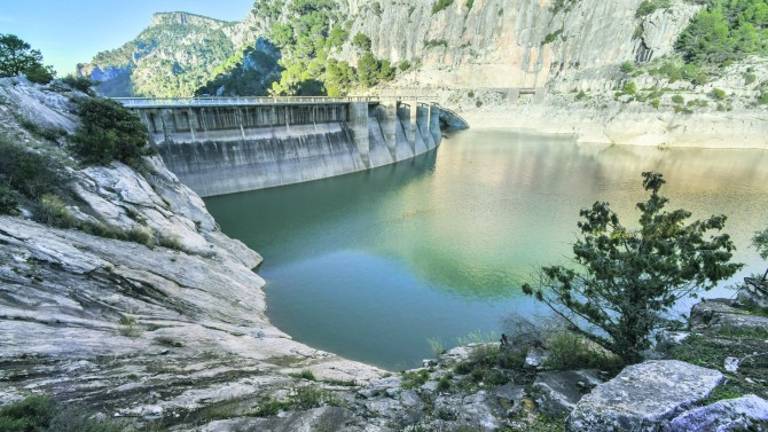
[(178, 53)]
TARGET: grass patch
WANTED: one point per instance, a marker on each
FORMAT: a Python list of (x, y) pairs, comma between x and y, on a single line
[(710, 350), (42, 414), (415, 379), (439, 5), (306, 374), (568, 350)]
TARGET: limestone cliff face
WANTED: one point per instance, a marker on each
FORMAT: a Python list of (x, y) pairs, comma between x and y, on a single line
[(515, 43), (493, 44)]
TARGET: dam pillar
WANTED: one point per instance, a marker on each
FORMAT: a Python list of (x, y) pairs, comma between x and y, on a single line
[(422, 123), (169, 125), (192, 118), (434, 123), (386, 113), (358, 122)]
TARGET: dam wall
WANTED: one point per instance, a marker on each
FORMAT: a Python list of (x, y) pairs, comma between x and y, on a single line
[(226, 148)]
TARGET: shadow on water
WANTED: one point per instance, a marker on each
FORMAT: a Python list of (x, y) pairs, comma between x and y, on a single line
[(370, 265)]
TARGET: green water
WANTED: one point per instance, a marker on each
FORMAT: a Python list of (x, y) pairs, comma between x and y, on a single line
[(371, 265)]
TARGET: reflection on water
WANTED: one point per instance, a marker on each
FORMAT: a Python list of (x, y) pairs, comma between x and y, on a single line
[(370, 265)]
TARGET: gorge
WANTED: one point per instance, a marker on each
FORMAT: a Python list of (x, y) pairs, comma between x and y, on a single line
[(391, 215)]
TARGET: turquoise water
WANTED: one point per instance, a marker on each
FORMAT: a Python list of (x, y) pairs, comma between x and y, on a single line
[(372, 265)]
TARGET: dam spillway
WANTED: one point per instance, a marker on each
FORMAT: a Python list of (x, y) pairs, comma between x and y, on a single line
[(225, 145)]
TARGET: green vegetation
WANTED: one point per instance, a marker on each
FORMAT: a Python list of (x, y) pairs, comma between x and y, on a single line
[(306, 41), (551, 37), (28, 174), (305, 374), (246, 73), (18, 57), (712, 348), (630, 88), (569, 350), (648, 7), (717, 94), (469, 4), (627, 67), (415, 379), (440, 5), (562, 6), (726, 31), (302, 398), (675, 70), (79, 83), (108, 132), (41, 414), (760, 243), (629, 277), (168, 64), (362, 42)]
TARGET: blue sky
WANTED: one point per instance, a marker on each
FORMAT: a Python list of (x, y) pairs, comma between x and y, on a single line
[(68, 32)]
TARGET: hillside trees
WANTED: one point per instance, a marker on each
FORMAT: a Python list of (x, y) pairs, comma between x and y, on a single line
[(18, 57), (307, 39), (628, 277), (726, 31)]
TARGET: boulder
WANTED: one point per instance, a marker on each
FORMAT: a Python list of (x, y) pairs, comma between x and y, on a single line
[(479, 410), (558, 392), (535, 358), (723, 313), (747, 413), (643, 396)]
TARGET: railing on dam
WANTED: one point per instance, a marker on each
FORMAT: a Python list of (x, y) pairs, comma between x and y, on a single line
[(219, 101)]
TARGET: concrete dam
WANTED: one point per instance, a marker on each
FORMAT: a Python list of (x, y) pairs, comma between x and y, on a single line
[(225, 145)]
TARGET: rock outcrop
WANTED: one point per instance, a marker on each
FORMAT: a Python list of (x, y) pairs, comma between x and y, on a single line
[(747, 413), (643, 396)]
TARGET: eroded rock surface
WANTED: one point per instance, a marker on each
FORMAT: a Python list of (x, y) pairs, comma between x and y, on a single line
[(747, 413), (643, 396)]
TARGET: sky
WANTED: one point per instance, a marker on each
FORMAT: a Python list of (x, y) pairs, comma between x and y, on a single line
[(69, 32)]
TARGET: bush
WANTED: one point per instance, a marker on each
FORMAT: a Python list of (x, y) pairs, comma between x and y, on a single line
[(717, 94), (404, 65), (568, 350), (30, 174), (648, 7), (82, 84), (42, 414), (678, 99), (52, 210), (627, 67), (630, 88), (749, 78), (440, 5), (108, 132), (29, 415), (9, 200), (362, 42)]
